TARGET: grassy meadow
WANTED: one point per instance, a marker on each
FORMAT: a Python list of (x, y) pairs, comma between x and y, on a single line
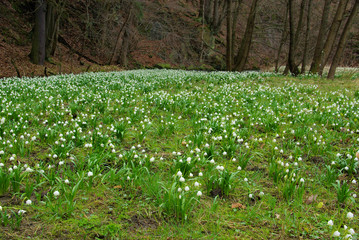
[(166, 154)]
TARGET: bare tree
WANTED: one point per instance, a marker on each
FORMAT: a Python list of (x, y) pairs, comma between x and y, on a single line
[(321, 37), (343, 40), (243, 51), (38, 50), (229, 36), (306, 43), (333, 32)]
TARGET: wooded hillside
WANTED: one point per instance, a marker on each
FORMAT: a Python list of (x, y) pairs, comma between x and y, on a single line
[(44, 37)]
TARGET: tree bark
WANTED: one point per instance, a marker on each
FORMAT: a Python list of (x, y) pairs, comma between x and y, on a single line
[(38, 50), (333, 32), (293, 68), (283, 40), (343, 40), (53, 16), (243, 51), (229, 36), (305, 51), (321, 36)]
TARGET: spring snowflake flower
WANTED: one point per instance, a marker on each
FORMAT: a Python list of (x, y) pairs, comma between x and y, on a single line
[(186, 188), (354, 181), (67, 181), (128, 178), (179, 174), (28, 202), (152, 159), (261, 194), (250, 195), (330, 223), (239, 168), (196, 184), (90, 174), (182, 179), (199, 193), (191, 174), (179, 189), (245, 179), (336, 234), (21, 212), (0, 208), (56, 193), (350, 215), (302, 180), (200, 174), (351, 231)]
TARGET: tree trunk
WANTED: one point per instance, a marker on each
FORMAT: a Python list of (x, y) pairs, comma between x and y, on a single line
[(320, 40), (215, 18), (343, 40), (293, 68), (243, 51), (53, 16), (38, 50), (234, 24), (283, 40), (300, 24), (305, 51), (333, 32), (229, 36)]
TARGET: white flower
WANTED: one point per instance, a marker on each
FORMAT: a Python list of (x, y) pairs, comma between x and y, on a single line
[(128, 178), (152, 159), (250, 195), (239, 168), (196, 184), (28, 202), (354, 181), (199, 193), (90, 174), (179, 174), (302, 180), (56, 193), (212, 161), (190, 174), (200, 174), (350, 215), (179, 189), (186, 188), (182, 179), (330, 223), (348, 236), (67, 181), (261, 194), (351, 231), (0, 208), (21, 212), (336, 234)]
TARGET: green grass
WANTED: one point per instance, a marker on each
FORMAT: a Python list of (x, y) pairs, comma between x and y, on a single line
[(179, 155)]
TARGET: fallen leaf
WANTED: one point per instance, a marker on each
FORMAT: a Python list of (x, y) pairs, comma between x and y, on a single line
[(238, 205), (311, 199), (320, 205), (184, 143), (117, 187)]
